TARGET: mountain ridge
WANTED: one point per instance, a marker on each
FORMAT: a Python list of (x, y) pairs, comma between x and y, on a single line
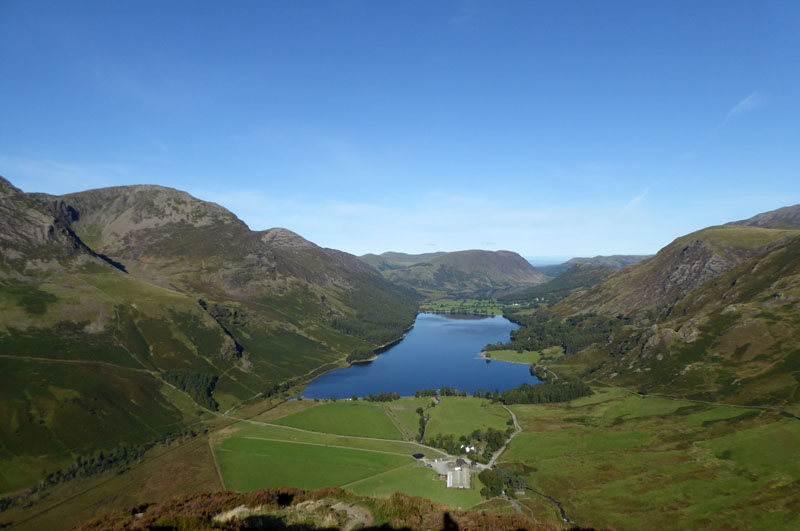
[(615, 261), (470, 273), (781, 218)]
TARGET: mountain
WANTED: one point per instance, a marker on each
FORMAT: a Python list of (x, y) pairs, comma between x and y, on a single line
[(712, 316), (658, 283), (127, 314), (468, 274), (782, 218), (578, 277), (617, 261), (391, 260)]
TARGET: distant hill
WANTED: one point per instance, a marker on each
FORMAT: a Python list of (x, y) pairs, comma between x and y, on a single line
[(390, 260), (577, 277), (129, 313), (468, 274), (782, 218), (617, 261)]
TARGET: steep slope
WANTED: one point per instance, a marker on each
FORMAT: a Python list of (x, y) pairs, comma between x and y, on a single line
[(712, 316), (174, 310), (617, 261), (734, 339), (175, 240), (469, 274), (656, 284), (782, 218)]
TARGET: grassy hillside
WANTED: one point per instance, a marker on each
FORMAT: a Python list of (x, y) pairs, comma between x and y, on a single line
[(712, 316), (734, 339), (659, 282), (620, 460)]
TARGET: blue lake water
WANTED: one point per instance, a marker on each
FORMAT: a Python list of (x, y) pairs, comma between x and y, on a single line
[(440, 351)]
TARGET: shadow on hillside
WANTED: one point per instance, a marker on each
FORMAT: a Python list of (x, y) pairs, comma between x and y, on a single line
[(277, 523)]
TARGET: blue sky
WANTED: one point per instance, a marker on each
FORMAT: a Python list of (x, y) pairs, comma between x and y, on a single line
[(548, 128)]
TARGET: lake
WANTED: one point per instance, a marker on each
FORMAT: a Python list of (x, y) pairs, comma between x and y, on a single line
[(440, 351)]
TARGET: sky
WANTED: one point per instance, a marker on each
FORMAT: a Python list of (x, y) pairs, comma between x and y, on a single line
[(553, 129)]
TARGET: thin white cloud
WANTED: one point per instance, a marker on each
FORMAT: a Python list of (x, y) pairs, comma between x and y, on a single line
[(638, 199), (750, 102)]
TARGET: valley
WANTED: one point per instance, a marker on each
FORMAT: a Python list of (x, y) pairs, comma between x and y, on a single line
[(146, 333)]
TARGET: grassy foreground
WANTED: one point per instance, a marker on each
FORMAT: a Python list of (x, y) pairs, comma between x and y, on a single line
[(617, 459), (252, 455)]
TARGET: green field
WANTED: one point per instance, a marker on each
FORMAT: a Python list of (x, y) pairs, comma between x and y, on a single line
[(616, 459), (461, 416), (253, 455), (416, 480), (250, 464), (406, 411), (362, 419), (526, 356), (282, 433), (469, 306)]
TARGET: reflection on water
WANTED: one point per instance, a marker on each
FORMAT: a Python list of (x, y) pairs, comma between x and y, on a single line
[(440, 351)]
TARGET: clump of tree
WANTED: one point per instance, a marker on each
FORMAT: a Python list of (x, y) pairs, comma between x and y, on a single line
[(494, 396), (360, 355), (561, 390), (498, 480), (198, 385), (491, 440), (382, 397), (426, 392), (279, 388)]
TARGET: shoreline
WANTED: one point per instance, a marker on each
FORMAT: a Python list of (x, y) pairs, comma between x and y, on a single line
[(344, 364)]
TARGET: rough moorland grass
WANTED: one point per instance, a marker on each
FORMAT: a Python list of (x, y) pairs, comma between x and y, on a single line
[(358, 418), (165, 473), (643, 463), (91, 407), (461, 416), (249, 464), (418, 481)]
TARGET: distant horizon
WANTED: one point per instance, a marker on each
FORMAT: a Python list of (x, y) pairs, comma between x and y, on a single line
[(535, 260), (547, 128)]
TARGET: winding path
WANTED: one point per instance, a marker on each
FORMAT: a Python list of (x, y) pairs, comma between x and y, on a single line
[(517, 431)]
